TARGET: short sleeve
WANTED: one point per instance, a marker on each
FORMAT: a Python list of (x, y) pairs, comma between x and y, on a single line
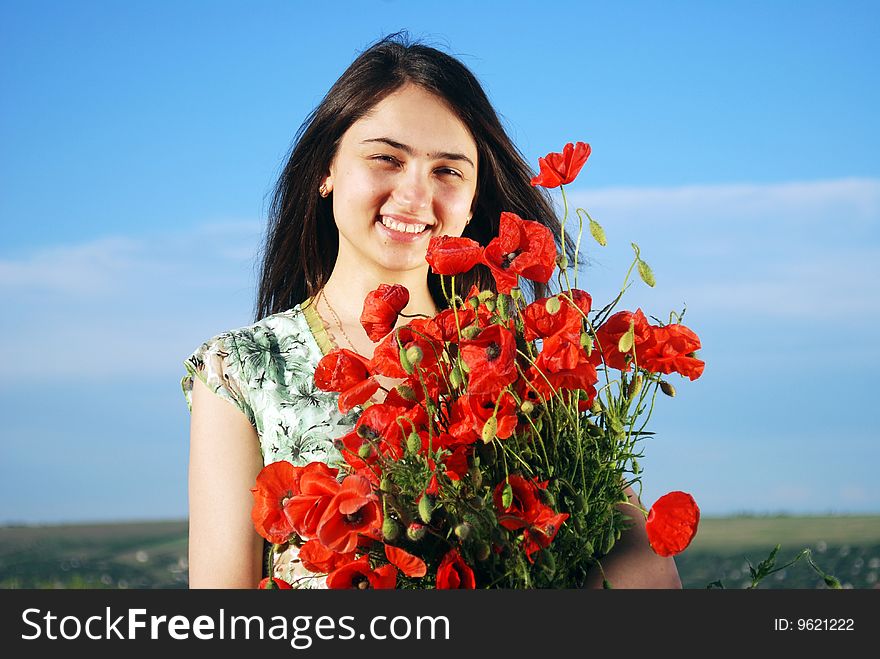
[(216, 363)]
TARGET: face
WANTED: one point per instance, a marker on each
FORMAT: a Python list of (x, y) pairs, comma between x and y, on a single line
[(403, 173)]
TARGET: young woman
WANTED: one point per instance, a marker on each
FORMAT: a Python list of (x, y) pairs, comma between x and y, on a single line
[(404, 146)]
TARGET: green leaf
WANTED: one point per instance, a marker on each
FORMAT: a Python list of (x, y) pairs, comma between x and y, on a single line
[(597, 232)]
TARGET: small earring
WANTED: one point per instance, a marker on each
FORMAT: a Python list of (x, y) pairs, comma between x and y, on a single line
[(323, 191), (470, 217)]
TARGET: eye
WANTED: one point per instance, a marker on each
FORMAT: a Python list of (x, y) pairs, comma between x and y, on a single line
[(448, 171), (385, 158)]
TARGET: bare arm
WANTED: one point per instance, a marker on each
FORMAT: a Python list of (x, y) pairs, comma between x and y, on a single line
[(224, 549), (632, 563)]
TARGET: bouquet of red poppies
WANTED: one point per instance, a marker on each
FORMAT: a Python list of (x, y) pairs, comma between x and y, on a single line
[(503, 458)]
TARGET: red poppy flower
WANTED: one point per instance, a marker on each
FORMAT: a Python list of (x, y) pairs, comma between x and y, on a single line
[(274, 582), (381, 309), (562, 168), (358, 575), (482, 407), (449, 328), (522, 248), (672, 523), (317, 558), (671, 351), (317, 486), (421, 332), (525, 507), (448, 255), (540, 323), (348, 373), (608, 337), (276, 484), (542, 531), (454, 573), (411, 566), (491, 360), (352, 512)]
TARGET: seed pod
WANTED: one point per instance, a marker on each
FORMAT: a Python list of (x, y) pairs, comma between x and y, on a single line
[(562, 261), (553, 305), (667, 389), (426, 508), (527, 407), (485, 295)]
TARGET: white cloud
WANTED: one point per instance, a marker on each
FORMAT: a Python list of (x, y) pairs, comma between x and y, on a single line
[(124, 305)]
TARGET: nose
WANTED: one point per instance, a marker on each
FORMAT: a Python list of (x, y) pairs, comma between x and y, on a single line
[(412, 190)]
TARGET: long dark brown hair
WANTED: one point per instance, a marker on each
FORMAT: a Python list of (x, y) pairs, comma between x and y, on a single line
[(302, 241)]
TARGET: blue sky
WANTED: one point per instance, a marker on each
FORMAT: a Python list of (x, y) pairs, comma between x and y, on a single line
[(735, 142)]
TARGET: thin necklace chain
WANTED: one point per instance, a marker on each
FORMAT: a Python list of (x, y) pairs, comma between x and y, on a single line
[(336, 317)]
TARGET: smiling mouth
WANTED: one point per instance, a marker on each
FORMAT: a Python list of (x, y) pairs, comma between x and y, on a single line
[(402, 227)]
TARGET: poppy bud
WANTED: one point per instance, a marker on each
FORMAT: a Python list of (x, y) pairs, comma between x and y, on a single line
[(404, 361), (587, 343), (471, 332), (503, 306), (578, 503), (415, 531), (667, 389), (490, 429), (413, 442), (365, 450), (463, 530), (455, 377), (477, 502), (474, 302), (547, 498), (476, 478), (527, 407), (635, 386), (553, 305), (562, 261), (596, 407), (414, 354), (483, 296), (385, 484), (483, 550), (406, 392), (390, 529), (490, 304), (507, 496), (426, 508), (636, 468)]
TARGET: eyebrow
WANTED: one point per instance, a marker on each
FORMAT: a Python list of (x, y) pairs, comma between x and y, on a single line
[(443, 155)]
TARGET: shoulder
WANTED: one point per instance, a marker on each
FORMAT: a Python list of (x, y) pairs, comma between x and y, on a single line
[(234, 360)]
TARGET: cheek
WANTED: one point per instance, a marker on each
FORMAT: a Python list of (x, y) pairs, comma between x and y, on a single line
[(456, 203)]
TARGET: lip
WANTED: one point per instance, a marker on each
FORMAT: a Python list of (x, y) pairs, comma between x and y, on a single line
[(401, 236)]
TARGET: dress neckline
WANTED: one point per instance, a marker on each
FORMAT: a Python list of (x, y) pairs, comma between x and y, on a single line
[(317, 327)]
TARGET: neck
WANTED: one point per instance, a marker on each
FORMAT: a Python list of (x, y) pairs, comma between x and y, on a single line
[(347, 292)]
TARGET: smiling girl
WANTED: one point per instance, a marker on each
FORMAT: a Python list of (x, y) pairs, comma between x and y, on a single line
[(404, 146)]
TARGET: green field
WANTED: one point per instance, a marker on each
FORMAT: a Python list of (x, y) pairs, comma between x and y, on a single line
[(153, 554)]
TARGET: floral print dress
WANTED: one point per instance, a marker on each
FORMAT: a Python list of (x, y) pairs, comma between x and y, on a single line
[(267, 371)]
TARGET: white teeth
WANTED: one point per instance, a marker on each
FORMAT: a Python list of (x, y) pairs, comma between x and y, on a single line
[(402, 226)]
